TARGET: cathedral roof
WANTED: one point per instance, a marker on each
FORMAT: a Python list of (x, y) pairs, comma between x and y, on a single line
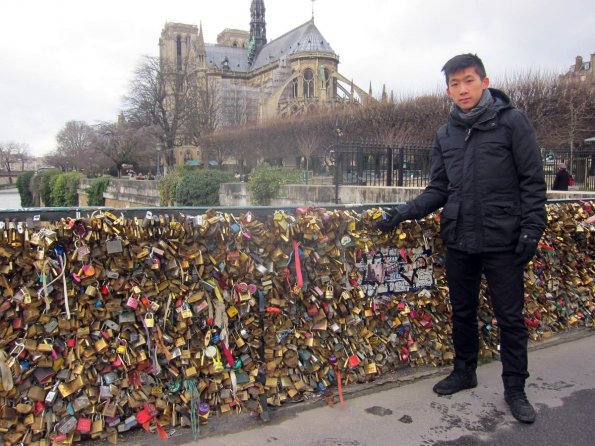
[(237, 57), (304, 38)]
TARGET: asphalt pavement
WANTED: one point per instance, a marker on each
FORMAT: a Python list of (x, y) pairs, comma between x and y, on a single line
[(402, 410)]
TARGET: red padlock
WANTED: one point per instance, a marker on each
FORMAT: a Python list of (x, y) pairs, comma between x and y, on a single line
[(353, 361), (83, 425)]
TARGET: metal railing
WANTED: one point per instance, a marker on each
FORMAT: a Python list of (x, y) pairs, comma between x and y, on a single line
[(374, 164), (371, 164), (579, 162)]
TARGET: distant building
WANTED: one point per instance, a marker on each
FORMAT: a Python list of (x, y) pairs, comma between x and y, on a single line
[(582, 70), (257, 80)]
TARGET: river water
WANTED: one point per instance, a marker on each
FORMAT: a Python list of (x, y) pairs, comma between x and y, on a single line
[(9, 199)]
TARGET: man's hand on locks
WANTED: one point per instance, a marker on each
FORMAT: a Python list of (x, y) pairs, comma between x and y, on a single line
[(391, 221), (525, 249)]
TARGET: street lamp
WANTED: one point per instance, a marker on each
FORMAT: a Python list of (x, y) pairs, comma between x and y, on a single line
[(158, 170), (338, 160)]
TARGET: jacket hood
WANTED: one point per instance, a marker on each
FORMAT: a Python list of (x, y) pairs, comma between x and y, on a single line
[(501, 100)]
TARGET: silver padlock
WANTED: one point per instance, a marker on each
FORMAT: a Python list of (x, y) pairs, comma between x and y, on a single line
[(114, 246), (67, 424), (50, 326), (50, 397)]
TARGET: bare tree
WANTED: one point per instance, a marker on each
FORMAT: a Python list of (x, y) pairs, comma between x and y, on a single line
[(12, 153), (178, 100), (74, 147), (534, 92), (122, 143), (577, 110)]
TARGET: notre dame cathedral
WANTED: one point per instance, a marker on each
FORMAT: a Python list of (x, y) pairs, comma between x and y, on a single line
[(257, 80)]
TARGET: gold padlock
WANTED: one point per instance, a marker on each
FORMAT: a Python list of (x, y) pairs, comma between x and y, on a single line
[(330, 292), (100, 345), (45, 346), (232, 311), (91, 291)]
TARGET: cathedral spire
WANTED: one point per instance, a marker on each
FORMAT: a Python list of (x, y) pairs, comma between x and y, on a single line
[(258, 29), (201, 52)]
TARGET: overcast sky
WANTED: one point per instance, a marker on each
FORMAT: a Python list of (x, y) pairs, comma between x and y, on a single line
[(67, 60)]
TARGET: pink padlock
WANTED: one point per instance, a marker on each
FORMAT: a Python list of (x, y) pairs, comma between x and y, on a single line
[(132, 302)]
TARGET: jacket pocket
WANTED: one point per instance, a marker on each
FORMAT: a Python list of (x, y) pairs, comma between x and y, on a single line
[(448, 223), (501, 223)]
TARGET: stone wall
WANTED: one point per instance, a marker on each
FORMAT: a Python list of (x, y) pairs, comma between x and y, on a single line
[(125, 193), (237, 194)]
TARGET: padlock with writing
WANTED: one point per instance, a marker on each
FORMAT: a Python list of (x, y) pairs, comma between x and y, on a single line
[(67, 424), (132, 302), (82, 251), (50, 326), (83, 425)]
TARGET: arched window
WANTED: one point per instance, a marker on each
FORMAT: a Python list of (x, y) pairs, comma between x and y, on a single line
[(308, 83), (187, 156), (294, 89)]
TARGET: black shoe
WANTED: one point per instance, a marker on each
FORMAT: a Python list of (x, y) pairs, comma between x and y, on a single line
[(520, 407), (455, 382)]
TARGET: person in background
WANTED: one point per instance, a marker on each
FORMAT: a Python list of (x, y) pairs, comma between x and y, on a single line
[(487, 174), (562, 179)]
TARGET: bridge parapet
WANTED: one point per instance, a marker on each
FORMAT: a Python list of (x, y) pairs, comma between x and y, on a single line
[(236, 304)]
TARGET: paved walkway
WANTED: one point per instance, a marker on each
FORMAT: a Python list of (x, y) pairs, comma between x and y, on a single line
[(407, 412)]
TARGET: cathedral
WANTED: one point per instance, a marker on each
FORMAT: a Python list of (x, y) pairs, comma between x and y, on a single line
[(256, 80)]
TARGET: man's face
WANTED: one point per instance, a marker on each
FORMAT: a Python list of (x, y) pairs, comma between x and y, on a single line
[(465, 87)]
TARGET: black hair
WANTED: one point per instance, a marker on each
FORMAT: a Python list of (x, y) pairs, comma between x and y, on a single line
[(463, 61)]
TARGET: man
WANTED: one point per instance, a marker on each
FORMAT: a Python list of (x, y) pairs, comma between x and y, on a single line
[(562, 180), (487, 175)]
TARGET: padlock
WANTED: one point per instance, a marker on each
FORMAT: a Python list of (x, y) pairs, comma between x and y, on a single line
[(88, 270), (91, 291), (50, 326), (101, 345), (329, 292), (114, 246), (45, 346), (67, 424), (82, 251), (84, 425), (149, 320), (132, 302)]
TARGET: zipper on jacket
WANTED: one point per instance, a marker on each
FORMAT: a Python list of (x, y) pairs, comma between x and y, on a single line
[(468, 134)]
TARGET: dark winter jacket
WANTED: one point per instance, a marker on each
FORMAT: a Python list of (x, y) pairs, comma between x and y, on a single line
[(488, 179), (562, 180)]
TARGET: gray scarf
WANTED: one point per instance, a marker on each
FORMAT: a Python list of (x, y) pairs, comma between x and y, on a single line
[(473, 115)]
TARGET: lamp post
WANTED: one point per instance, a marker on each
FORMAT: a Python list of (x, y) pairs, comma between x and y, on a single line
[(338, 158), (158, 170)]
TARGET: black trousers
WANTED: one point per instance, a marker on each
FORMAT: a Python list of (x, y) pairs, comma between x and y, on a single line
[(506, 292)]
